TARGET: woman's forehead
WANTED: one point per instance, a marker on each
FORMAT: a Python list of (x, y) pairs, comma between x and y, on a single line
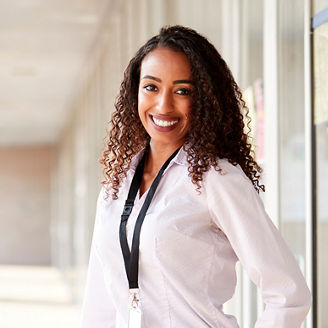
[(165, 61)]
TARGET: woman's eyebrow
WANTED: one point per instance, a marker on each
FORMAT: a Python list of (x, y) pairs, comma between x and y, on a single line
[(183, 81), (159, 80), (152, 78)]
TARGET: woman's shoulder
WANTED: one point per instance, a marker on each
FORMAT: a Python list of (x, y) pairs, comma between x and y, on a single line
[(230, 185), (226, 168), (227, 175), (102, 195), (224, 173)]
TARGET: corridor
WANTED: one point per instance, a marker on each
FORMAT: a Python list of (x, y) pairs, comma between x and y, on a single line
[(32, 296)]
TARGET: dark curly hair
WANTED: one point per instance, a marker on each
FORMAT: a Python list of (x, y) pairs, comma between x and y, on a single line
[(217, 125)]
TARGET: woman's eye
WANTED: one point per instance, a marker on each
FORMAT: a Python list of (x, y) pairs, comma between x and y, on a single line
[(183, 91), (150, 87)]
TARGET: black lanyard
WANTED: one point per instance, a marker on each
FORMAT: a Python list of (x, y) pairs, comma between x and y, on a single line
[(131, 259)]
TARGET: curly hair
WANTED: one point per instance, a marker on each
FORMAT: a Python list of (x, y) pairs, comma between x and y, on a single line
[(217, 114)]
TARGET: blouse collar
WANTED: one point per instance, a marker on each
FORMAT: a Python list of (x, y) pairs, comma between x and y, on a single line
[(180, 158)]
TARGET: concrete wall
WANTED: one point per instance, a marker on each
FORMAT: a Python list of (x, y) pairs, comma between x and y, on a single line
[(25, 205)]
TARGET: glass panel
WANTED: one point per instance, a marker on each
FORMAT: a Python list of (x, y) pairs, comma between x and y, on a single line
[(321, 133), (319, 5), (252, 85), (291, 112), (252, 71)]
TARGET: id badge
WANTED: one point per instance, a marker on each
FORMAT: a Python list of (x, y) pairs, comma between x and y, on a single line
[(135, 313), (135, 317)]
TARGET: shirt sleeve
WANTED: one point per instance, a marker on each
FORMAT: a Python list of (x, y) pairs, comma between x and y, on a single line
[(97, 309), (238, 211)]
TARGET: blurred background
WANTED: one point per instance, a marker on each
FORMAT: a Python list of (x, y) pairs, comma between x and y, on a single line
[(61, 64)]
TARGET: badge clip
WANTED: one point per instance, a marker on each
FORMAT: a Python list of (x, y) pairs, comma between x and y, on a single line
[(135, 314)]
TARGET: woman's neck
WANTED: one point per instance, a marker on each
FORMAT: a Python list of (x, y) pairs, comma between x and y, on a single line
[(157, 156)]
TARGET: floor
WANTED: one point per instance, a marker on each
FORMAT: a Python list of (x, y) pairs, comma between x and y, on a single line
[(35, 297)]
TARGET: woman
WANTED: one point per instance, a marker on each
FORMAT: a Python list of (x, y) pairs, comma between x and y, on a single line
[(179, 205)]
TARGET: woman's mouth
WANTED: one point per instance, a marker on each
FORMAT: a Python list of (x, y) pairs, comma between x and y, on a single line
[(164, 123)]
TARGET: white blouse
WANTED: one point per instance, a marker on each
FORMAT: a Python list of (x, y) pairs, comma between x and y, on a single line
[(189, 246)]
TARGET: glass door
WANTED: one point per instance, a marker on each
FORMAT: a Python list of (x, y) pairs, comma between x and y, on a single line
[(320, 88)]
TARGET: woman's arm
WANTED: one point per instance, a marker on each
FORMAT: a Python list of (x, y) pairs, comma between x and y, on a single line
[(239, 212), (97, 309)]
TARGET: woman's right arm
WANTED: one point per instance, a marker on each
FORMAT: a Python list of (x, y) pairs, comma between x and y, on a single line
[(97, 309)]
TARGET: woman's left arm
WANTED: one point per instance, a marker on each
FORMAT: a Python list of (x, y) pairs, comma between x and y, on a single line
[(98, 310), (239, 212)]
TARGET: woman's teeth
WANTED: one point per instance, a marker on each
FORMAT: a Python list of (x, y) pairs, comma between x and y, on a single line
[(164, 123)]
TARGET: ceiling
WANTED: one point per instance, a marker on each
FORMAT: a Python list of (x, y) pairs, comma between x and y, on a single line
[(43, 46)]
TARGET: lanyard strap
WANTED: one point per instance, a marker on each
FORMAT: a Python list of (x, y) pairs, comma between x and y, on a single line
[(131, 259)]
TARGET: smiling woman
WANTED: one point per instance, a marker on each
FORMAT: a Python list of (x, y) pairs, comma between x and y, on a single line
[(216, 122), (164, 105), (179, 204)]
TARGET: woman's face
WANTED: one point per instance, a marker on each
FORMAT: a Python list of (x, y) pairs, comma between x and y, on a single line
[(165, 96)]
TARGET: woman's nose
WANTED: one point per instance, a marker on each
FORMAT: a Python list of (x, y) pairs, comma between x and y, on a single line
[(165, 102)]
